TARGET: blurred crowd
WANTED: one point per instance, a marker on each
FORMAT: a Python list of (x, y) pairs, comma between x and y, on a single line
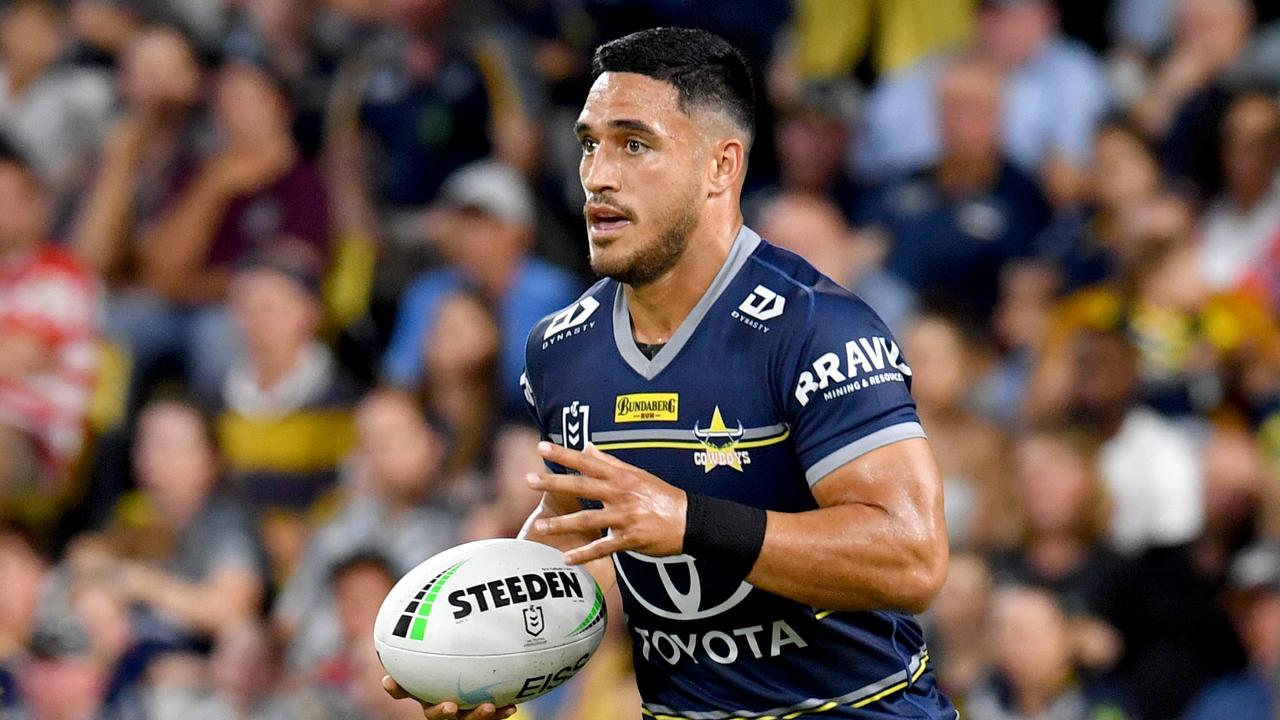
[(267, 268)]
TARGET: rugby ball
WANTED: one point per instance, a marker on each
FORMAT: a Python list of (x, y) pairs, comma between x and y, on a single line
[(497, 621)]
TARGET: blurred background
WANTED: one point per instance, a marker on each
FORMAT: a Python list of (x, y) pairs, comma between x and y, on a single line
[(267, 268)]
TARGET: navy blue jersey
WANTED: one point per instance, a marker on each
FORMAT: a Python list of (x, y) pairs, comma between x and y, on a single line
[(776, 378)]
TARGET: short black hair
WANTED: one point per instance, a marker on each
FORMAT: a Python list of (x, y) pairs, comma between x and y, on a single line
[(362, 558), (705, 69)]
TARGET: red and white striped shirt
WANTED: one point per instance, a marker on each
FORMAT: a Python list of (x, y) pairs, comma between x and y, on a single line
[(47, 294)]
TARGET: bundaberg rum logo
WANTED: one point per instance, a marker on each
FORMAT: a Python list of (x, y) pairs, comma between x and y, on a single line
[(718, 445)]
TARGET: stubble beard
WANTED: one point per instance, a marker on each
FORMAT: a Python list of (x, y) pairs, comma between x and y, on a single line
[(652, 261)]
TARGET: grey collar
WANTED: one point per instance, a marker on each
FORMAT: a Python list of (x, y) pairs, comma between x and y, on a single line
[(743, 245)]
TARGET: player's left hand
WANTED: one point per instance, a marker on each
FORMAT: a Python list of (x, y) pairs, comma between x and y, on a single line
[(641, 511)]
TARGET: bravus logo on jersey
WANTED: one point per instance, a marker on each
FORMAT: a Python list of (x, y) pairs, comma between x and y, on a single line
[(864, 362)]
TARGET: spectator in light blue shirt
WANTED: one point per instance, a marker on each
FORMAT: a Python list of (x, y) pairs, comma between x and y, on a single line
[(1055, 93), (485, 227)]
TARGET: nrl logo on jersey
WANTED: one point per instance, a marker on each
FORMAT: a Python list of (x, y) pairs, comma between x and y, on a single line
[(719, 445), (573, 320)]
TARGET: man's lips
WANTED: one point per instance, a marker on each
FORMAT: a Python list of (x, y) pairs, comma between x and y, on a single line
[(606, 220)]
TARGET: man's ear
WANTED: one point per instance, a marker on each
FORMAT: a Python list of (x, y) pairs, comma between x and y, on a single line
[(728, 163)]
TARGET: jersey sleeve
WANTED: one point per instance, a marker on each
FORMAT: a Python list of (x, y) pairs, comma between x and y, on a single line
[(848, 387)]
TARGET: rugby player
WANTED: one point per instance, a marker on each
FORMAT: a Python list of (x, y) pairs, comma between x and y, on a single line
[(730, 435)]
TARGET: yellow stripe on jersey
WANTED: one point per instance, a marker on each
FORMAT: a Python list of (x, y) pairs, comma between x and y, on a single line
[(689, 444), (829, 705)]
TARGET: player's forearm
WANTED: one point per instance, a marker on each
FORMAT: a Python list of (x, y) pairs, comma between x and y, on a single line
[(851, 557)]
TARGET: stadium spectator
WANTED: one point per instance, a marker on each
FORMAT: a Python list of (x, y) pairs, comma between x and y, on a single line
[(180, 539), (249, 681), (1086, 246), (1252, 694), (1064, 513), (1151, 468), (461, 355), (808, 127), (394, 508), (62, 679), (484, 229), (812, 226), (359, 584), (55, 113), (515, 455), (284, 419), (952, 226), (1034, 669), (971, 452), (48, 349), (956, 630), (1054, 95), (23, 574), (151, 144), (1240, 232), (102, 30), (1182, 101), (410, 108), (255, 189)]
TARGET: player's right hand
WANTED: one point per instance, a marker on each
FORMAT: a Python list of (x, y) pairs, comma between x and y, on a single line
[(448, 710)]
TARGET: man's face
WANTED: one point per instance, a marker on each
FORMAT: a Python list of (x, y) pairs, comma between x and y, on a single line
[(274, 313), (642, 169), (969, 109)]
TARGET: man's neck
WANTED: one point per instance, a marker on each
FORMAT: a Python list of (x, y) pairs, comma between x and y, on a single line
[(658, 308), (273, 368), (966, 173)]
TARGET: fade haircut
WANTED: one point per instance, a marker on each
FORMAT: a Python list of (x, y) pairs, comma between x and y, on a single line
[(707, 72)]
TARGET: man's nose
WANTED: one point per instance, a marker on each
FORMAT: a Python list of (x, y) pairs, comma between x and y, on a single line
[(600, 173)]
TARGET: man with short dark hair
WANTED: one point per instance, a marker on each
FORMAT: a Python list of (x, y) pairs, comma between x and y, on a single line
[(749, 465)]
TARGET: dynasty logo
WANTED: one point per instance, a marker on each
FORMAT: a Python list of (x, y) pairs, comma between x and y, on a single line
[(718, 445)]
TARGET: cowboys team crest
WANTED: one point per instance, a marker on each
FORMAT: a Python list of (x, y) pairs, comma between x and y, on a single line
[(718, 443)]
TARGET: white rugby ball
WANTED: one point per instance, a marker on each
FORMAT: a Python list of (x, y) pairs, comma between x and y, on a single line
[(498, 621)]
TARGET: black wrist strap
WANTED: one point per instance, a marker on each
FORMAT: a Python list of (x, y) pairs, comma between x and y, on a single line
[(726, 532)]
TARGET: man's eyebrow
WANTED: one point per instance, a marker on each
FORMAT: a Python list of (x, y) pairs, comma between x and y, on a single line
[(639, 126)]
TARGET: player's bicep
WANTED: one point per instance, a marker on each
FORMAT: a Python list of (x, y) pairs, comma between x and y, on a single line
[(901, 478)]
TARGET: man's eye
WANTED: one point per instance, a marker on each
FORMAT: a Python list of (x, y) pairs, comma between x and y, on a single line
[(589, 145), (635, 147)]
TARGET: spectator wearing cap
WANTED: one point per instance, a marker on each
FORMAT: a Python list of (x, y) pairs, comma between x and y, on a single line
[(952, 226), (255, 189), (1054, 94), (55, 113), (284, 416), (48, 347), (1254, 602), (484, 227)]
